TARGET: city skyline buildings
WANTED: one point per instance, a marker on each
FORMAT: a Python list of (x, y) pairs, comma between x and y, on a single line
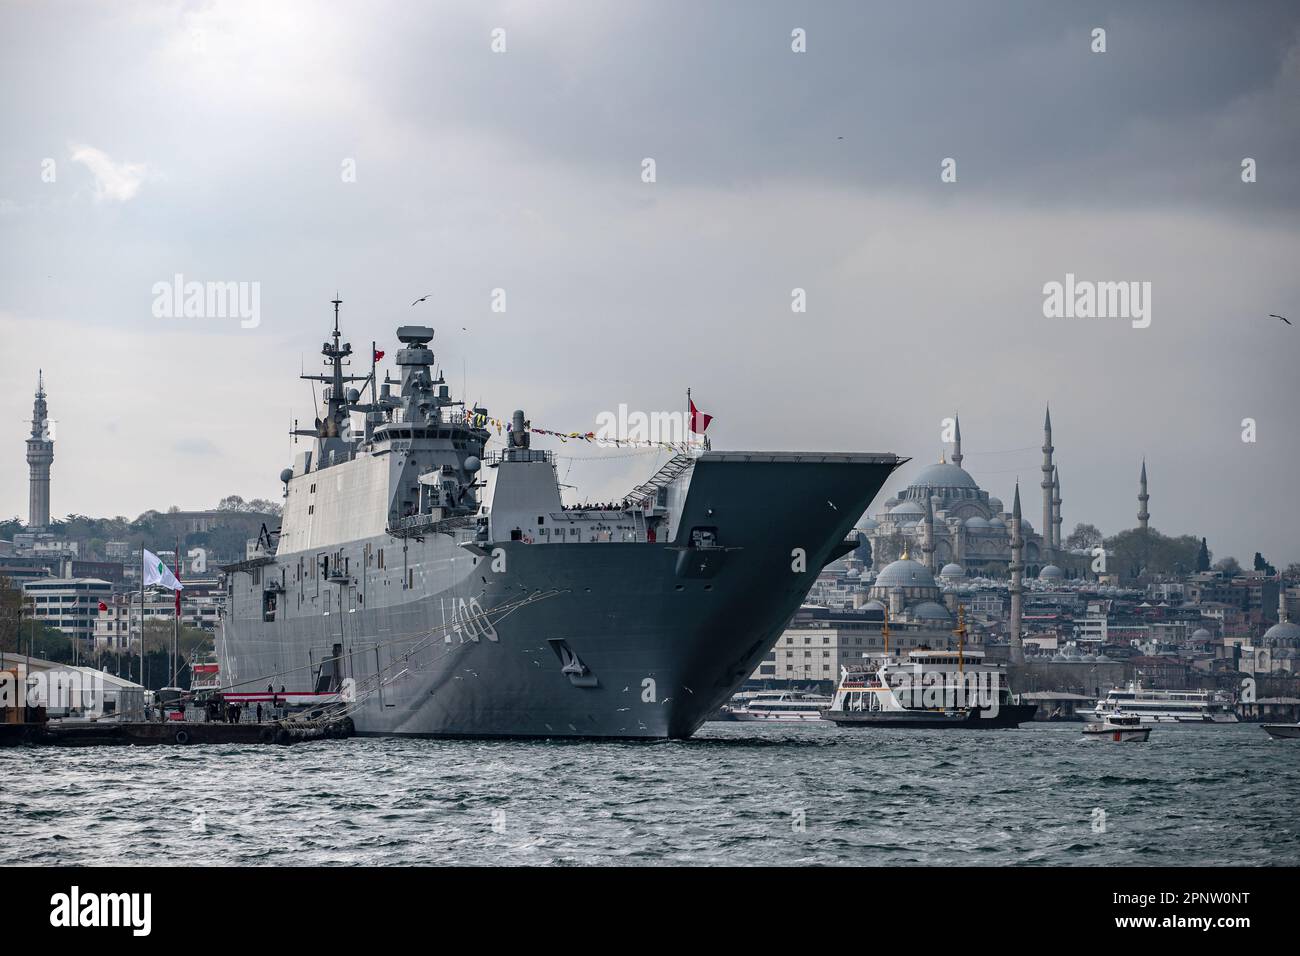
[(40, 456)]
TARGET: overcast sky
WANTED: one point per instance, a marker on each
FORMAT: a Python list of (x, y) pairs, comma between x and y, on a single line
[(212, 140)]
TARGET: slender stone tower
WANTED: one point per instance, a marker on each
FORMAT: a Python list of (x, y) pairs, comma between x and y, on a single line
[(1016, 567), (1046, 485), (956, 445), (927, 542), (1144, 516), (40, 455), (1056, 510)]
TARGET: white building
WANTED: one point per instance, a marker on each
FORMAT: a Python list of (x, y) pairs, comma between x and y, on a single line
[(70, 604), (819, 640), (118, 626)]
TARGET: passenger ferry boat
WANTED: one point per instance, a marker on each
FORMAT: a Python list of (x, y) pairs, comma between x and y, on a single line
[(784, 706), (927, 689), (1167, 706), (1117, 728), (887, 693)]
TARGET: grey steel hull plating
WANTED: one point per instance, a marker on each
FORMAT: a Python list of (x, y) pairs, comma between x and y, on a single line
[(666, 633)]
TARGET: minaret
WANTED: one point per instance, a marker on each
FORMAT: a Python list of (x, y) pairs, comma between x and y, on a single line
[(1056, 509), (1016, 567), (1144, 516), (927, 542), (1047, 488), (40, 455), (956, 445)]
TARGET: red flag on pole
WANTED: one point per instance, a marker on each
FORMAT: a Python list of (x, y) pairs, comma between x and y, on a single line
[(379, 353), (699, 420)]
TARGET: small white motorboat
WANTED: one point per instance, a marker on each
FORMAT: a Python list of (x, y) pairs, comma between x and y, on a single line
[(1283, 731), (1118, 728)]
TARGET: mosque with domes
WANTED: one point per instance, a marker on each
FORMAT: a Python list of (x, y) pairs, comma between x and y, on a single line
[(959, 527)]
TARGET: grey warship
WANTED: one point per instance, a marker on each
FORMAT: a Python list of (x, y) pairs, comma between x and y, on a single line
[(424, 585)]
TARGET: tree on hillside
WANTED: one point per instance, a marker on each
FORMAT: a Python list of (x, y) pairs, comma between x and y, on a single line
[(1136, 553), (863, 550), (1228, 566), (1262, 565), (889, 548), (1085, 536), (11, 615)]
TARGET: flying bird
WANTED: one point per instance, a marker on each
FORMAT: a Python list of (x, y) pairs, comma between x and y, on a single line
[(420, 299), (1274, 315)]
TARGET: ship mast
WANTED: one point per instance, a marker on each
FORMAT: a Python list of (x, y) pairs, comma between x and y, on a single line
[(960, 631), (332, 431)]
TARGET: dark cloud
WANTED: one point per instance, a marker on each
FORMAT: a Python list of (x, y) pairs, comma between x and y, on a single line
[(478, 170)]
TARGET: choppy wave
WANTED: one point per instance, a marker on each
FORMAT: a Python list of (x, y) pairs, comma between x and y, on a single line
[(752, 794)]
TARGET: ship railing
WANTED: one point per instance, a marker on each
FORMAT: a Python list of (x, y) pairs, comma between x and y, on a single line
[(518, 454), (422, 524), (672, 468)]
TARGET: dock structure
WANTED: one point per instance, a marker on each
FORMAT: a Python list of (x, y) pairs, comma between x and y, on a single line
[(173, 732)]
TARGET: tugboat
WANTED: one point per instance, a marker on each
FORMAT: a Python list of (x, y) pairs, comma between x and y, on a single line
[(1118, 727), (927, 689)]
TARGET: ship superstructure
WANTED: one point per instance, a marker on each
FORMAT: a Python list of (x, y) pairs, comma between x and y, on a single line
[(428, 585)]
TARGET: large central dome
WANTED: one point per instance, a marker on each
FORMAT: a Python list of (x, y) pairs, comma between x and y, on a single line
[(944, 475), (905, 573)]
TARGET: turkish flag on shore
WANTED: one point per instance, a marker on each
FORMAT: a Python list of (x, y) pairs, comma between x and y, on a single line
[(699, 420)]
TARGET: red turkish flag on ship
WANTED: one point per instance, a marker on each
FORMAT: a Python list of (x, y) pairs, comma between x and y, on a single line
[(699, 420), (379, 353)]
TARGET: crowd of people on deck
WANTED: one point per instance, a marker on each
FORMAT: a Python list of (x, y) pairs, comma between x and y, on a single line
[(623, 505)]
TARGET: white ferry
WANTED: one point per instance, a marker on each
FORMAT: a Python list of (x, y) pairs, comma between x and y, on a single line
[(779, 706), (927, 689), (1167, 706)]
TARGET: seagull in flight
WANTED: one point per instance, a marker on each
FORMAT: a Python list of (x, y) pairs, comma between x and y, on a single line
[(1274, 315), (420, 299)]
